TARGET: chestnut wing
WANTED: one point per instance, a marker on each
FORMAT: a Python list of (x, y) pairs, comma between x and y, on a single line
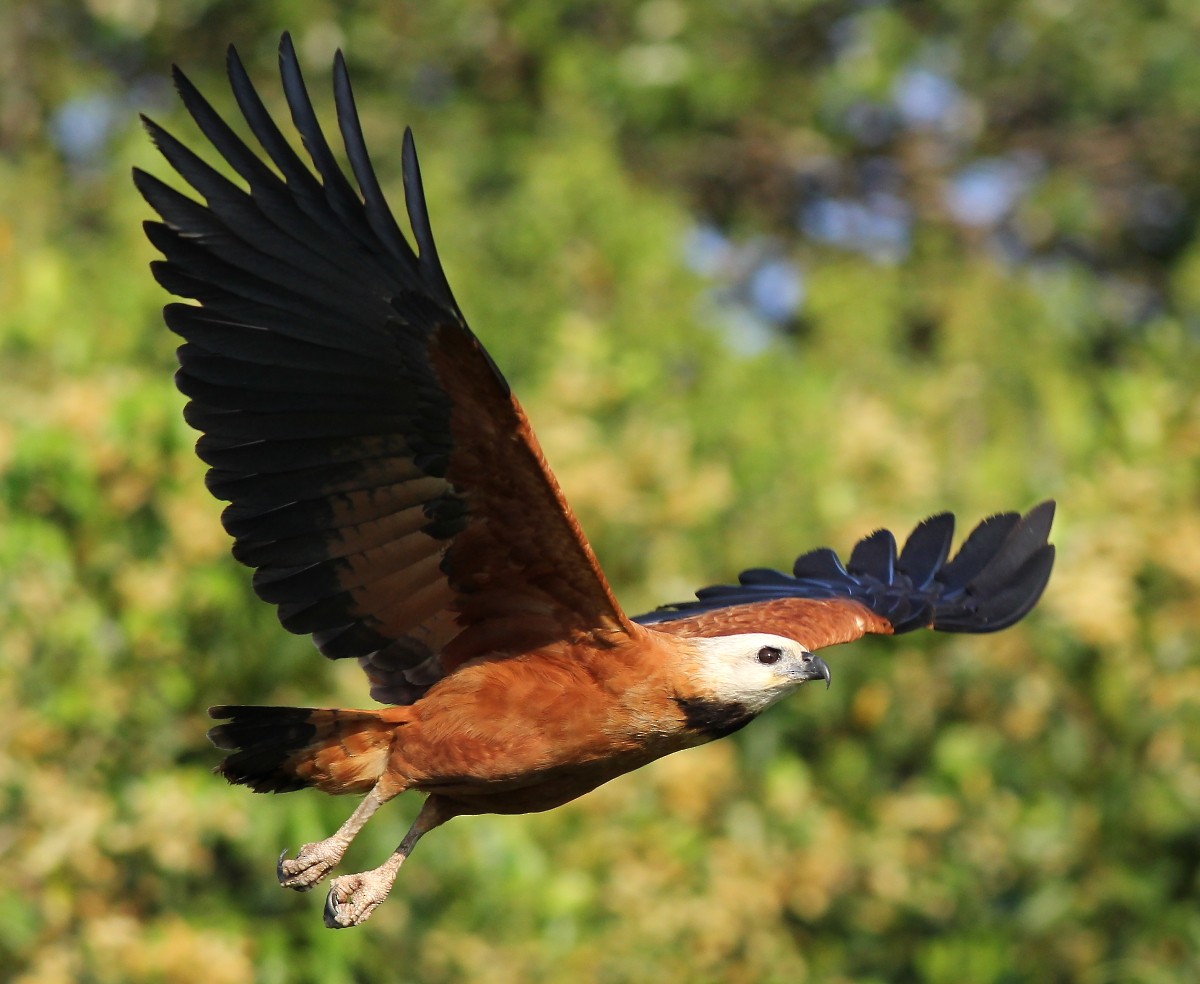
[(993, 581), (383, 481)]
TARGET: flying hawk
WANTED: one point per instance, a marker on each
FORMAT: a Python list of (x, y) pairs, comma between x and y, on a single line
[(388, 490)]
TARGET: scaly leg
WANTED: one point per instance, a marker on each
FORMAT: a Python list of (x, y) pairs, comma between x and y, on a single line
[(352, 898), (316, 860)]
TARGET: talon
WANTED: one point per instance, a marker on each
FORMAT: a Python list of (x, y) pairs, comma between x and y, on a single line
[(279, 865), (331, 911)]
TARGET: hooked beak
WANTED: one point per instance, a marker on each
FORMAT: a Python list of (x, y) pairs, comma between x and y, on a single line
[(812, 668)]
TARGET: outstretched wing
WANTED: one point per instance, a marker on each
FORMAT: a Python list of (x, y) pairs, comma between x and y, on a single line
[(993, 581), (382, 479)]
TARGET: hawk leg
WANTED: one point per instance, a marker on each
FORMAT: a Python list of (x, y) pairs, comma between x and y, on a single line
[(352, 898), (316, 860)]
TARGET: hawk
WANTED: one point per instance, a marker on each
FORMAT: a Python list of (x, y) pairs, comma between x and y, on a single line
[(386, 487)]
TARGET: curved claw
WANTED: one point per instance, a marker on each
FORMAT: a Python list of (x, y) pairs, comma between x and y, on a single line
[(279, 872), (330, 915)]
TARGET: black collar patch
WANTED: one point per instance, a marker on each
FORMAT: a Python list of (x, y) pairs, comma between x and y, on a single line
[(714, 718)]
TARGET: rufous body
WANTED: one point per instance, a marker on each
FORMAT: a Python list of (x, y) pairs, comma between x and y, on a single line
[(527, 733)]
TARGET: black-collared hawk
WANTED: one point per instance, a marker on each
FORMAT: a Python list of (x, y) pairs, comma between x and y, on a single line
[(389, 492)]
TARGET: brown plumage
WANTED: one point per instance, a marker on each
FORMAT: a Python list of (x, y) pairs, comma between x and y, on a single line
[(389, 492)]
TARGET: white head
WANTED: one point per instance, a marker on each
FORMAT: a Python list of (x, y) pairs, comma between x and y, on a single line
[(753, 670)]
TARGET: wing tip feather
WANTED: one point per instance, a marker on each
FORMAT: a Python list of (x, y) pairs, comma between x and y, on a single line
[(997, 576)]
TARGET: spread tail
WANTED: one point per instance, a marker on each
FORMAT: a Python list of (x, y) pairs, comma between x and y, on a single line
[(280, 749)]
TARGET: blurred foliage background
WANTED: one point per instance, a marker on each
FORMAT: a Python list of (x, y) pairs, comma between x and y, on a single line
[(767, 274)]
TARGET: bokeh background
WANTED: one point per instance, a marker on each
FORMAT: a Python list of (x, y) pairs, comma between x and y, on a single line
[(767, 275)]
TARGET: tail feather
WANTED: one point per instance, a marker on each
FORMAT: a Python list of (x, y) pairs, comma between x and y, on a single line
[(281, 749)]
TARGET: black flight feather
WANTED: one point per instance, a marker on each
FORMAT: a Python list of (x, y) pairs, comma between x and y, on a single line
[(993, 581), (306, 365)]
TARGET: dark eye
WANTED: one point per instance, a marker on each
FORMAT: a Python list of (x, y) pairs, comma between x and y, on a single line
[(770, 654)]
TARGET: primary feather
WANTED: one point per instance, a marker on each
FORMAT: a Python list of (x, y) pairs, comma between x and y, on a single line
[(993, 581)]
